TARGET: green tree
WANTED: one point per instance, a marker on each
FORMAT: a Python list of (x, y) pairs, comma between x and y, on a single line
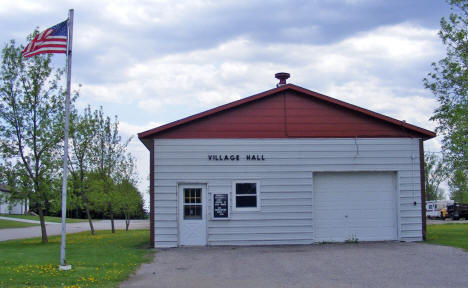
[(82, 134), (98, 198), (130, 201), (94, 186), (31, 121), (127, 197), (108, 151), (459, 184), (449, 83), (434, 175)]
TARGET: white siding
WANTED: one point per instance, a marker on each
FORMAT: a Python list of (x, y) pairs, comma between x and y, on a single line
[(285, 177), (15, 207)]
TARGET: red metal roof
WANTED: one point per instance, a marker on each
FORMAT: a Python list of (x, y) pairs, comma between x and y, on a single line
[(171, 130)]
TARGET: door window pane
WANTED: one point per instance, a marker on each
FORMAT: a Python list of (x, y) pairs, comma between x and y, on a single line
[(192, 211), (192, 203), (192, 195)]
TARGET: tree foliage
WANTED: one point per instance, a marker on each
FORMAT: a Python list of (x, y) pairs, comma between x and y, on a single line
[(31, 121), (127, 198), (82, 135), (449, 83), (434, 175), (102, 179), (130, 202), (459, 184), (108, 152)]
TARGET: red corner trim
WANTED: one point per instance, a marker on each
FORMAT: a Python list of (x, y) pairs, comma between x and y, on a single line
[(152, 243)]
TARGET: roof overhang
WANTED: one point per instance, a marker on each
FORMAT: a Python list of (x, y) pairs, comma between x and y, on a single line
[(146, 136)]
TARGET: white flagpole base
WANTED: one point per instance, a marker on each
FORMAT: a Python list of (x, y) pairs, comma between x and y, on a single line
[(65, 268)]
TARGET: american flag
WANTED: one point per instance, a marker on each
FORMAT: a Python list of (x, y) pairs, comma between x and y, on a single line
[(51, 40)]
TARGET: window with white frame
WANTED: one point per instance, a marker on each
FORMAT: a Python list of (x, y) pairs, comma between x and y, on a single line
[(246, 195)]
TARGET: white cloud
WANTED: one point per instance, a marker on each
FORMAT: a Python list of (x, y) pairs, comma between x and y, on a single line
[(128, 129), (399, 43), (88, 37), (241, 66), (162, 12), (24, 6)]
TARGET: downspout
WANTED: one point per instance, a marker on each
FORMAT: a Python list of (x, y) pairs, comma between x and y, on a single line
[(423, 187)]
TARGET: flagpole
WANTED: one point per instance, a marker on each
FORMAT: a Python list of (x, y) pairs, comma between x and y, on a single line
[(63, 262)]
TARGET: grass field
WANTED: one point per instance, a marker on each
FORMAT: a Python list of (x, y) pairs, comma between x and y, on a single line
[(47, 218), (455, 235), (103, 260), (5, 224)]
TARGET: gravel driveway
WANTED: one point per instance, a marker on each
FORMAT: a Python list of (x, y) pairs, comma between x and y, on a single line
[(383, 264)]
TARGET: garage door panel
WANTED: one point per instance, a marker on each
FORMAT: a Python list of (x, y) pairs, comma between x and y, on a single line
[(355, 205), (368, 223), (328, 196), (378, 214), (368, 195), (330, 216), (330, 235)]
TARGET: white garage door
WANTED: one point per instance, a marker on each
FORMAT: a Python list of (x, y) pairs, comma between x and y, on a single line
[(355, 206)]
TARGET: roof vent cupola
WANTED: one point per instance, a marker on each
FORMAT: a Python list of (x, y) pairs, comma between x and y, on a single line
[(282, 76)]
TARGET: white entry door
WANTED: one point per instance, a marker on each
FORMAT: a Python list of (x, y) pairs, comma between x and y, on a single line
[(192, 215), (355, 206)]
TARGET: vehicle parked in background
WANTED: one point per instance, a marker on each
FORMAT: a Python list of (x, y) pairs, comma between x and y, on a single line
[(434, 208), (431, 209), (457, 211), (443, 213)]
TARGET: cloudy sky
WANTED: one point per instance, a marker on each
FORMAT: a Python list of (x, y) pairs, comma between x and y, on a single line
[(153, 62)]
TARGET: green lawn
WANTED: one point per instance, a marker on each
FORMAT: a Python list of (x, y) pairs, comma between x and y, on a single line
[(47, 218), (103, 260), (5, 224), (455, 235)]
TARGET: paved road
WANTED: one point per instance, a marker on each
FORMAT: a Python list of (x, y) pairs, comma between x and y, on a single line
[(25, 220), (54, 229), (384, 264)]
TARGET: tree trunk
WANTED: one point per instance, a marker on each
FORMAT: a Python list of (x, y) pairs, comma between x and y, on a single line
[(43, 227), (112, 217), (89, 218), (85, 203), (127, 222)]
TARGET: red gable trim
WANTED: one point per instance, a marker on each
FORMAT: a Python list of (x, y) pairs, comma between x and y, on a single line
[(425, 134), (152, 239)]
